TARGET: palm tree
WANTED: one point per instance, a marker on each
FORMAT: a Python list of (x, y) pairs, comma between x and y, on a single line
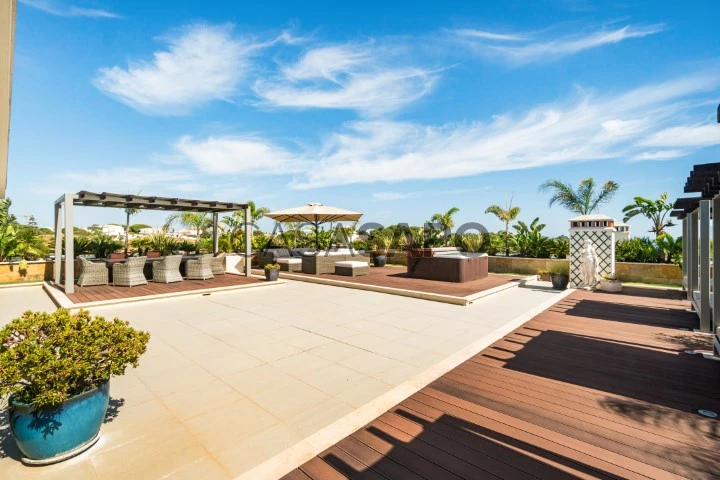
[(583, 200), (256, 213), (446, 221), (195, 220), (129, 212), (507, 215), (654, 210)]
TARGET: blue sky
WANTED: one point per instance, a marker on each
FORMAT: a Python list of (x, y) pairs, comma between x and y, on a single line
[(395, 109)]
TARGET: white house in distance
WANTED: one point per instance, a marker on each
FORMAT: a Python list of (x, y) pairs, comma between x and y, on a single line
[(114, 230)]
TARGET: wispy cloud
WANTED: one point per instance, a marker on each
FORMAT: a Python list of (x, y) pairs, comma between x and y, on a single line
[(388, 196), (660, 155), (217, 155), (62, 10), (202, 63), (365, 78), (520, 49), (685, 136), (587, 127), (485, 35)]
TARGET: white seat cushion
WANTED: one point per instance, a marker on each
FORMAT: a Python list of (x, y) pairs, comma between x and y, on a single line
[(289, 260), (351, 263)]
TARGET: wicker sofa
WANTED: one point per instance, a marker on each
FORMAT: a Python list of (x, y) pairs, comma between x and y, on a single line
[(271, 255), (324, 262)]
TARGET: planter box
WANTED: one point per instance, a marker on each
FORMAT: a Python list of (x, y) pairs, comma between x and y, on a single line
[(38, 270), (610, 286)]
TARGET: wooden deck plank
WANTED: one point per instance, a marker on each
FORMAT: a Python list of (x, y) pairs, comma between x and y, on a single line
[(396, 277), (597, 386), (109, 292)]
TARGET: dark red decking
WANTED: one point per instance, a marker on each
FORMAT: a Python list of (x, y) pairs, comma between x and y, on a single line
[(396, 277), (108, 292), (595, 387)]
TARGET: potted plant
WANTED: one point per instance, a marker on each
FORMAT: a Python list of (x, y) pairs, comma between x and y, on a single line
[(56, 369), (560, 275), (544, 275), (272, 272), (610, 283), (381, 244)]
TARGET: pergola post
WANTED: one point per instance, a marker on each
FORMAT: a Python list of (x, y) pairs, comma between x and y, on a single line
[(715, 276), (248, 242), (705, 318), (58, 242), (215, 232), (684, 252), (693, 256), (69, 253)]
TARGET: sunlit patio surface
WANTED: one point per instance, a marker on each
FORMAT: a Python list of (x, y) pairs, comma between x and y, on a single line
[(251, 378), (394, 280)]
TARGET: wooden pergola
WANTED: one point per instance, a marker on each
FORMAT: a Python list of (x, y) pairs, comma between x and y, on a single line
[(697, 214), (142, 202)]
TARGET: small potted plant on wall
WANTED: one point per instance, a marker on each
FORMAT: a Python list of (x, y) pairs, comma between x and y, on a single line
[(56, 369), (560, 275), (544, 275), (272, 272), (610, 283)]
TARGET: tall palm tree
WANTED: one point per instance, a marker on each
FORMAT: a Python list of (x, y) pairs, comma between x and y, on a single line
[(583, 200), (198, 221), (256, 213), (654, 210), (506, 215), (446, 220)]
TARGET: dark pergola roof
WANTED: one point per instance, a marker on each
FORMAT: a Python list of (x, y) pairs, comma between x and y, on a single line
[(687, 204), (120, 200), (704, 179)]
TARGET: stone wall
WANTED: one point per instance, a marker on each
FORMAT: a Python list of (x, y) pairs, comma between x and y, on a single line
[(528, 266), (37, 270), (663, 273)]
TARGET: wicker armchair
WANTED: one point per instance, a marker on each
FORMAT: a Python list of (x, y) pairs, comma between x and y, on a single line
[(130, 273), (200, 269), (92, 273), (218, 264), (167, 270)]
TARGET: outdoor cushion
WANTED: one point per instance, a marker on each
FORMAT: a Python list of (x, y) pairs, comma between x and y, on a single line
[(281, 252), (351, 263), (289, 260)]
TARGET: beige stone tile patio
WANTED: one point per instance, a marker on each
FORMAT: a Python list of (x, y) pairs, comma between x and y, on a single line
[(205, 403), (155, 455), (229, 424), (243, 455)]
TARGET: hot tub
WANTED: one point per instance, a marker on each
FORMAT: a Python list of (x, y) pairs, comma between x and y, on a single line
[(448, 267)]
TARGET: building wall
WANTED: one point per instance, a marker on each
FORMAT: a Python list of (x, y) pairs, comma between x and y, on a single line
[(7, 41)]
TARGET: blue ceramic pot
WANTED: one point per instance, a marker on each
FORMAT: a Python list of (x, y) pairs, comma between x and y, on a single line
[(53, 434), (379, 260)]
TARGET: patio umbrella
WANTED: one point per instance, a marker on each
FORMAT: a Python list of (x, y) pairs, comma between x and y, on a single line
[(316, 214)]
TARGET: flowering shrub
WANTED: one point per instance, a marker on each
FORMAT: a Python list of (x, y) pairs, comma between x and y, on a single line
[(46, 358)]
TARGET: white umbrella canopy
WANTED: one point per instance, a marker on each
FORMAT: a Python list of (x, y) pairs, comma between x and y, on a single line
[(315, 213)]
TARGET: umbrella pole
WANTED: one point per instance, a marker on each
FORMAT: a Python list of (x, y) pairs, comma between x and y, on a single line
[(317, 236)]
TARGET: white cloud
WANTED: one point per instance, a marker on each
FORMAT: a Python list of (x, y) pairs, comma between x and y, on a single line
[(485, 35), (387, 196), (586, 128), (202, 63), (660, 155), (519, 50), (354, 77), (220, 155), (60, 10), (685, 136)]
